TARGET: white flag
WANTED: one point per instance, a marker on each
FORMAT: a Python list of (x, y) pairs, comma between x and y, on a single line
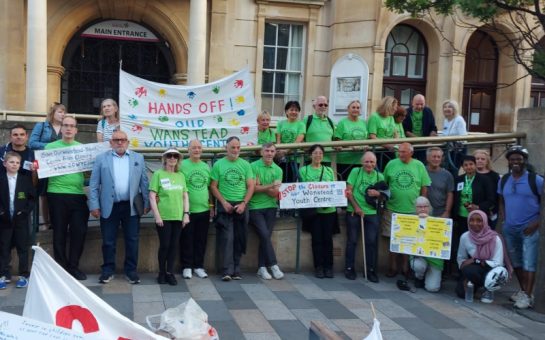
[(375, 332), (55, 297)]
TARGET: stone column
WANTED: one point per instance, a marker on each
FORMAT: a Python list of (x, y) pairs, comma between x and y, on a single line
[(36, 56), (197, 42)]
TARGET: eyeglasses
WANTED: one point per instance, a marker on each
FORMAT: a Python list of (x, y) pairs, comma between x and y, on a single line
[(172, 155), (119, 140), (422, 206), (72, 126), (323, 105)]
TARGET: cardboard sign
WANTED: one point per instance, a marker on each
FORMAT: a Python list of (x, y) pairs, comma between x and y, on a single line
[(312, 195)]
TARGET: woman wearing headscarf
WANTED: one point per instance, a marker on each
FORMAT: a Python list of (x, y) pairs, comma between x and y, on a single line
[(481, 249)]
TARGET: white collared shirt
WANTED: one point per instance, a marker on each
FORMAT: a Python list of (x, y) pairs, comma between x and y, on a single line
[(12, 182), (120, 166)]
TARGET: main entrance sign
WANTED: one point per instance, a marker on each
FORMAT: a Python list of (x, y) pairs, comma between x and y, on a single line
[(119, 30)]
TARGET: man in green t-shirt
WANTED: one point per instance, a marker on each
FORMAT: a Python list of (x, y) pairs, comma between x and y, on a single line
[(320, 128), (201, 208), (233, 186), (68, 207), (407, 179), (263, 207), (419, 122)]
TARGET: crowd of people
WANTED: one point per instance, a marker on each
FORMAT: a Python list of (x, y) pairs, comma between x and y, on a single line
[(184, 195)]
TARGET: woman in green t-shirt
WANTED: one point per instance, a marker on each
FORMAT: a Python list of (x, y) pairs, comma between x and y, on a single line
[(381, 125), (321, 226), (290, 130), (352, 127), (170, 205)]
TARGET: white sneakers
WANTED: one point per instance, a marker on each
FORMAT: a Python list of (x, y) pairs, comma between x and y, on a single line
[(516, 296), (524, 301), (200, 273), (276, 272), (264, 274), (187, 273)]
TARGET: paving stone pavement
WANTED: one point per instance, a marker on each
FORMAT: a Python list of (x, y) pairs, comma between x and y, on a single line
[(258, 309)]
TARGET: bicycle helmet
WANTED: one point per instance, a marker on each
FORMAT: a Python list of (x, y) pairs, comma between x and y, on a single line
[(495, 278), (517, 149)]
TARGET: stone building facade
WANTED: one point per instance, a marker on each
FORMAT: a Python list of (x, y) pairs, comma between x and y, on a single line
[(290, 46)]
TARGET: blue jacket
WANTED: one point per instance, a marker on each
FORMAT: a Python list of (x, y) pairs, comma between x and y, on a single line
[(102, 186), (428, 122), (41, 134)]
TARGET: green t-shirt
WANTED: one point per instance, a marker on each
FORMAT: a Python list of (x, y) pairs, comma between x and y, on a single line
[(310, 174), (400, 130), (405, 181), (266, 174), (267, 136), (416, 119), (231, 177), (169, 187), (319, 131), (360, 180), (466, 196), (197, 177), (350, 130), (65, 184), (382, 127), (289, 131)]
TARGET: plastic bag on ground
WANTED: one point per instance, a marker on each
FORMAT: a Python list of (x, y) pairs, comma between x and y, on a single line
[(185, 322)]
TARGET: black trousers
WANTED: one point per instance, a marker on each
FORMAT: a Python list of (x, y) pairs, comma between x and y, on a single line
[(476, 273), (16, 235), (193, 240), (169, 236), (321, 229), (68, 215)]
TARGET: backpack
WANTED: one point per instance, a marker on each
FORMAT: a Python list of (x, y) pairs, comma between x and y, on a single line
[(309, 121), (532, 181)]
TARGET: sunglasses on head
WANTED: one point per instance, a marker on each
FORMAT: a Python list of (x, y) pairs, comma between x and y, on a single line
[(172, 155)]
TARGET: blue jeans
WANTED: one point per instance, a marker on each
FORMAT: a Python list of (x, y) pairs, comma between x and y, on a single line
[(121, 213), (371, 230), (522, 249)]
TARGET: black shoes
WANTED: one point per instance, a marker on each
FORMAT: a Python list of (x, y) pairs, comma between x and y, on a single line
[(372, 276), (161, 278), (419, 283), (171, 279), (78, 274), (319, 272), (133, 278), (350, 273), (328, 272)]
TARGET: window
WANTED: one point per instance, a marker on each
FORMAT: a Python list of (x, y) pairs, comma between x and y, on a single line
[(282, 66), (405, 61)]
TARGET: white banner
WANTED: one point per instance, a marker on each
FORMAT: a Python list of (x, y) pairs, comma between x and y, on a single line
[(15, 327), (164, 115), (68, 160), (312, 195), (55, 297)]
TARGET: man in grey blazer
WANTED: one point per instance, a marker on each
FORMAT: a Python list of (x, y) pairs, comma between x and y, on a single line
[(118, 193)]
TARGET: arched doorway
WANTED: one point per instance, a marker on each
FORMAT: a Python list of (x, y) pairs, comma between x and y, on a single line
[(405, 62), (480, 82), (92, 59)]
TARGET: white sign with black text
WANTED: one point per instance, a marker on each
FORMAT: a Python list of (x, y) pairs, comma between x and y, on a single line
[(312, 195)]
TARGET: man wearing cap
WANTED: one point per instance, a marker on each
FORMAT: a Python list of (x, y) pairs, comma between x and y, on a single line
[(519, 193), (233, 186), (118, 193)]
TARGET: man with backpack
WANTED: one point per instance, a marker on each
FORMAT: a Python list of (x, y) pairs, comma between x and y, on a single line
[(319, 127), (519, 193)]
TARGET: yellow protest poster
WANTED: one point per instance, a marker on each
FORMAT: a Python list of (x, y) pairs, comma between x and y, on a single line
[(413, 235)]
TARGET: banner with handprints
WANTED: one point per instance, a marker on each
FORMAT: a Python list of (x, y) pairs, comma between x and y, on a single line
[(164, 115)]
